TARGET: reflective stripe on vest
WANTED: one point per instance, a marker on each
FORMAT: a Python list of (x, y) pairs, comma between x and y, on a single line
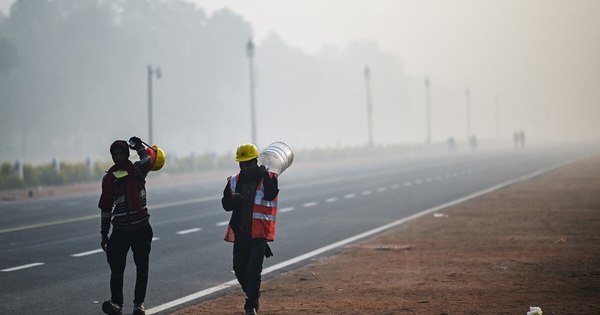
[(258, 199), (263, 216), (263, 213), (233, 182)]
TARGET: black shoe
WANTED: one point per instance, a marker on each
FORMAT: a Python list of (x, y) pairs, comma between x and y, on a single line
[(249, 305), (138, 309), (110, 308), (251, 311)]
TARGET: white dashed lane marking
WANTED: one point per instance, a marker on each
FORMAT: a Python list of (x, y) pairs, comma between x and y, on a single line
[(90, 252), (188, 231), (286, 209), (22, 267)]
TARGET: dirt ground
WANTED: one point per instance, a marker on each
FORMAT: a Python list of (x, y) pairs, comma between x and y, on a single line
[(535, 243)]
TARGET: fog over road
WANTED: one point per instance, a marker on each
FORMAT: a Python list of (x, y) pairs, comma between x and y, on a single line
[(51, 260)]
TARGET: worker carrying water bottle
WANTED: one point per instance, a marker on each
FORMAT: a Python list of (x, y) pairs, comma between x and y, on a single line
[(124, 200), (251, 195)]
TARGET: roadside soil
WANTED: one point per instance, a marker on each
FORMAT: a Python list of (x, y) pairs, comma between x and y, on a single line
[(535, 243)]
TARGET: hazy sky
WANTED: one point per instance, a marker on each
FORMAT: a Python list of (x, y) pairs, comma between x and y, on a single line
[(540, 56), (444, 37), (4, 5), (468, 40)]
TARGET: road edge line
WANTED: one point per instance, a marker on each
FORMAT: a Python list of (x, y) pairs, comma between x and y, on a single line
[(354, 238)]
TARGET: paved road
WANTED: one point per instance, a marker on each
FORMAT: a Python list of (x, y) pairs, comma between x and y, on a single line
[(51, 262)]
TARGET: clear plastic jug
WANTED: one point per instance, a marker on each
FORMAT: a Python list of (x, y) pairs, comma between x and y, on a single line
[(277, 157)]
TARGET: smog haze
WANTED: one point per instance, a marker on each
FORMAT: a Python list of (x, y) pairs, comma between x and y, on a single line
[(74, 75)]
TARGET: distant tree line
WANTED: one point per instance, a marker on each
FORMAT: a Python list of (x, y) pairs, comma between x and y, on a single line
[(13, 175), (55, 173), (73, 79)]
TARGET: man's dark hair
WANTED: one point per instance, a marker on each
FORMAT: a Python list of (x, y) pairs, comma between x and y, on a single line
[(119, 145)]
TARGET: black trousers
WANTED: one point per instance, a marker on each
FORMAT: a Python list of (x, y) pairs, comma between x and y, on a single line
[(118, 246), (248, 256)]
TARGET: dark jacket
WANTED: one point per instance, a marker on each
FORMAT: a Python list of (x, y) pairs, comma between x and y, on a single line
[(115, 194)]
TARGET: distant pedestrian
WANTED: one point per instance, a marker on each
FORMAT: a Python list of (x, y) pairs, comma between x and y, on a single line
[(522, 138), (124, 200), (251, 195), (451, 144), (473, 142)]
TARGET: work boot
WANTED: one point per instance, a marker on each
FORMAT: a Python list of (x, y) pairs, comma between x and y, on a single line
[(251, 311), (138, 309), (110, 308)]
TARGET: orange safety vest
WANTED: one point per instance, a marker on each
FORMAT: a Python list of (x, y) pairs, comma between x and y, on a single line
[(263, 212)]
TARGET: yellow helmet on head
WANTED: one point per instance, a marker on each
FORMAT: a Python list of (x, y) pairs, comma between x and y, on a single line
[(246, 152)]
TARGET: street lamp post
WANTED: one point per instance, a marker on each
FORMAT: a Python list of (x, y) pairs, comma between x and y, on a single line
[(428, 104), (497, 117), (250, 53), (151, 72), (369, 106), (468, 99)]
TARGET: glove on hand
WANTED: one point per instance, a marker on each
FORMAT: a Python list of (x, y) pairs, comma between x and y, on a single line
[(237, 197), (268, 252), (262, 170), (135, 143), (104, 242)]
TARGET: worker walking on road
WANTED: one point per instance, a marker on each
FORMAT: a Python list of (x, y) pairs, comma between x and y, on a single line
[(123, 187), (251, 195)]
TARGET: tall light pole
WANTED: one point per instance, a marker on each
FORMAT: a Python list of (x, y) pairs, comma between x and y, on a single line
[(428, 104), (151, 72), (468, 98), (369, 106), (250, 52), (497, 117)]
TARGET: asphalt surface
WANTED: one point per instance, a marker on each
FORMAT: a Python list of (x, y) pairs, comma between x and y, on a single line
[(49, 249)]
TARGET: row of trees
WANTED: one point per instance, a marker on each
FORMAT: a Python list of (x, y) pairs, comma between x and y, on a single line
[(15, 175), (12, 176), (76, 70)]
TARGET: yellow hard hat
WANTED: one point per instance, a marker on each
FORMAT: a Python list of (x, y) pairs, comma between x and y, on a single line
[(246, 152), (160, 158)]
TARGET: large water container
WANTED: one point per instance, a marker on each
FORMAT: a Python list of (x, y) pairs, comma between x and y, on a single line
[(277, 157)]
